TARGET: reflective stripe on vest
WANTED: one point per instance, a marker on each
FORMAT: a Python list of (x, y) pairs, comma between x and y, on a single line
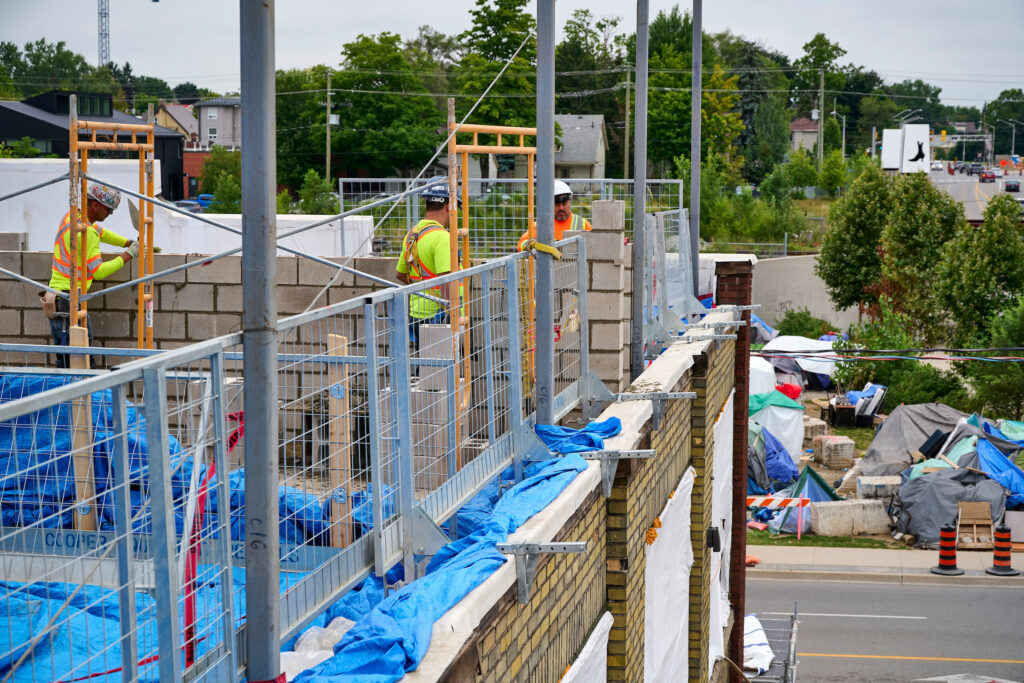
[(577, 223), (412, 254)]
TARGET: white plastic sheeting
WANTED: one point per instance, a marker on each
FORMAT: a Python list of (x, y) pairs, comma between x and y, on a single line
[(667, 586), (315, 645), (721, 514), (812, 346), (786, 425), (762, 375), (592, 664), (757, 652)]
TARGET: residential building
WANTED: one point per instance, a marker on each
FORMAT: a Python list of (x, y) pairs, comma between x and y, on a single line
[(582, 146), (44, 119), (803, 133), (178, 117), (220, 122)]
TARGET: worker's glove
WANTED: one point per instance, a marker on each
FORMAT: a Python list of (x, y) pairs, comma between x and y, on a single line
[(156, 249), (132, 250)]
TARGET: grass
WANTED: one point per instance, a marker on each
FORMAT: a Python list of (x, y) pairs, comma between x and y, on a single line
[(755, 537), (814, 207), (861, 436)]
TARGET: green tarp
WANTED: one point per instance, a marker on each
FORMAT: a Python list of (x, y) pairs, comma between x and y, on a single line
[(772, 398)]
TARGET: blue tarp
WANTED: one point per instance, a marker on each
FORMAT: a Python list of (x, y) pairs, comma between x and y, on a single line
[(568, 440), (777, 460), (1001, 469), (394, 636), (854, 396)]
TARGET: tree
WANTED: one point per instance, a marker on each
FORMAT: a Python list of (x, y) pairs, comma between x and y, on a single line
[(300, 123), (770, 140), (832, 135), (776, 186), (227, 194), (999, 387), (1009, 106), (849, 261), (316, 195), (46, 66), (190, 93), (219, 162), (833, 172), (820, 54), (982, 270), (801, 169), (921, 220)]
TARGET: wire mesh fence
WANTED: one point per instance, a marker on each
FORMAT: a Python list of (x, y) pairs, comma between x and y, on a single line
[(124, 498), (498, 208)]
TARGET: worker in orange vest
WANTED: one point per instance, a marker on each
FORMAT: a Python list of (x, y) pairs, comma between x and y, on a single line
[(565, 219), (102, 201)]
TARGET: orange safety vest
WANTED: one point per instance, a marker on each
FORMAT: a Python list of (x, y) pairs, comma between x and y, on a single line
[(412, 255), (62, 251), (574, 222)]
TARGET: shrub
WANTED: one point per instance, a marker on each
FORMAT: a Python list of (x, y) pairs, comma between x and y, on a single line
[(802, 324)]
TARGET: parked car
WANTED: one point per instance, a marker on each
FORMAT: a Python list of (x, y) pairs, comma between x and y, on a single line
[(987, 176), (1012, 186), (205, 199), (190, 205), (936, 165)]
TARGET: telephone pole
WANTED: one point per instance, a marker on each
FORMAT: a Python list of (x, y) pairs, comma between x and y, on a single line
[(328, 159), (821, 117), (625, 155)]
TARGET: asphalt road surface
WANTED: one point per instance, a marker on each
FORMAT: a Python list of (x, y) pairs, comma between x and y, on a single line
[(864, 631), (967, 190)]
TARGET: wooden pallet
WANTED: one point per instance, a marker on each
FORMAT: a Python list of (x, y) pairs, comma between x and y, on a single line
[(974, 526)]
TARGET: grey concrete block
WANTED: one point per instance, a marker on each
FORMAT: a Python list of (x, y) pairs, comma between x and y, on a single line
[(605, 246), (288, 269), (36, 325), (203, 326), (381, 266), (607, 277), (608, 215), (168, 326), (318, 274), (11, 260), (228, 298), (607, 366), (163, 262), (226, 270), (10, 319), (111, 325), (435, 342), (185, 297), (849, 518), (834, 452), (12, 241), (37, 265), (608, 336), (605, 306), (292, 300), (19, 294), (878, 487), (812, 427)]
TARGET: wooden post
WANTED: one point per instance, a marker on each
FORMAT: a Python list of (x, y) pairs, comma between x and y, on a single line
[(340, 443), (81, 440)]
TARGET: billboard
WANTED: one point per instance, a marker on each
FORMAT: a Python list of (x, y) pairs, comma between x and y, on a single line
[(892, 146), (917, 154)]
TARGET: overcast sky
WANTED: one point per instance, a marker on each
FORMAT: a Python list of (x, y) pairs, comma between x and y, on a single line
[(970, 50)]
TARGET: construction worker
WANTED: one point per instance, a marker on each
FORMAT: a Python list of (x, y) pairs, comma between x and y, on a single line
[(101, 202), (565, 219), (426, 253)]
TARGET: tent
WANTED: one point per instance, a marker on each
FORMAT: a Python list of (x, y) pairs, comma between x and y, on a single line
[(927, 503), (769, 465), (809, 485), (902, 433), (762, 375), (760, 331), (783, 417), (807, 362)]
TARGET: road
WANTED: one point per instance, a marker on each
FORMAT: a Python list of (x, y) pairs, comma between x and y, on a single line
[(882, 632), (967, 190)]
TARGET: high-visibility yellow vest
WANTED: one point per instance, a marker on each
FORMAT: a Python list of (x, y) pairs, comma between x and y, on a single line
[(95, 267)]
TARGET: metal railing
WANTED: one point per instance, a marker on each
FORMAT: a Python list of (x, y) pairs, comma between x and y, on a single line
[(668, 284), (123, 494), (497, 207)]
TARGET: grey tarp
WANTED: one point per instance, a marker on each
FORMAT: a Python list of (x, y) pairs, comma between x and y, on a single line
[(966, 429), (902, 433), (929, 502)]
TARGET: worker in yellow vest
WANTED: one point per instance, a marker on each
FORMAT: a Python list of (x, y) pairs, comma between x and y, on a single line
[(565, 219), (426, 254), (101, 202)]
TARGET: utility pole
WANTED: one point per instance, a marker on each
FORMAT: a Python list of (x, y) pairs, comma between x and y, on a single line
[(625, 155), (696, 103), (327, 176), (639, 260), (544, 287), (821, 117)]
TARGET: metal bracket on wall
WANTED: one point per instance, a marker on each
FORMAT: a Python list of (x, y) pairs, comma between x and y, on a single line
[(735, 307), (610, 464), (715, 324), (717, 338), (657, 399), (427, 536), (527, 554)]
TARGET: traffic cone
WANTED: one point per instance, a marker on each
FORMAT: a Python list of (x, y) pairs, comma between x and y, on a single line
[(1001, 554), (947, 553)]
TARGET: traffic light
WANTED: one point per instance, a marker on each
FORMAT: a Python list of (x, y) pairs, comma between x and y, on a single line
[(943, 136)]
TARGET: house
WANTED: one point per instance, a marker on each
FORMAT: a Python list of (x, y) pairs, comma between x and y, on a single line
[(220, 122), (44, 119), (583, 146), (965, 128), (803, 133), (178, 117)]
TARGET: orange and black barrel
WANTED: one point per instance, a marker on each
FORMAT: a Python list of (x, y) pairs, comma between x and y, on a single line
[(1001, 554), (947, 553)]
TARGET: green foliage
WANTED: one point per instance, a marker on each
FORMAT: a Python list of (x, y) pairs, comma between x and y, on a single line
[(802, 324), (300, 123), (832, 135), (849, 262), (22, 149), (190, 93), (999, 386), (776, 186), (219, 162), (920, 221), (800, 169), (316, 195), (227, 194), (833, 172), (918, 382), (43, 66), (982, 270), (284, 202), (819, 54)]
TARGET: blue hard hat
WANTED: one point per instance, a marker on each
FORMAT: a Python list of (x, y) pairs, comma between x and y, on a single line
[(439, 191)]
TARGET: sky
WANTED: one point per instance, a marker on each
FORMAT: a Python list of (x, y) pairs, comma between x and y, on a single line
[(969, 50)]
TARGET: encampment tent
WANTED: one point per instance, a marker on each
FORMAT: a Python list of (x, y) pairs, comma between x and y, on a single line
[(783, 417), (902, 433), (769, 465), (762, 375), (929, 502), (809, 485)]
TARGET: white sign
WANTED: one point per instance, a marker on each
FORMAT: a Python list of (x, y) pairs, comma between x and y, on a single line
[(892, 143), (916, 156)]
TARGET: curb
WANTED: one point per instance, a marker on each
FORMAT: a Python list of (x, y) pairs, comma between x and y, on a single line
[(844, 574)]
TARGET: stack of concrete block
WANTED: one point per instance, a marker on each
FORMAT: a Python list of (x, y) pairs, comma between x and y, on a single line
[(432, 414), (608, 287), (834, 452), (878, 487), (812, 427), (849, 518)]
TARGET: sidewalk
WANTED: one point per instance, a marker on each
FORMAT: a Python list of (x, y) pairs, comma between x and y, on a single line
[(870, 564)]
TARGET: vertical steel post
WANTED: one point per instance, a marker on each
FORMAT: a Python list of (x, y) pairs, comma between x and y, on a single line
[(544, 290), (636, 335), (259, 341), (696, 98), (161, 501), (581, 308), (515, 367), (375, 426), (485, 287), (123, 532), (223, 545), (401, 387)]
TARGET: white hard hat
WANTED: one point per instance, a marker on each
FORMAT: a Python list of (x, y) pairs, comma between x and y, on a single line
[(107, 196), (562, 187)]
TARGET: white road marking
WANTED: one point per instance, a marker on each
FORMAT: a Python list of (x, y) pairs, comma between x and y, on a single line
[(846, 616)]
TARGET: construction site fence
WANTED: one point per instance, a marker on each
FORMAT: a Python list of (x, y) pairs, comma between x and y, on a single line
[(124, 494), (498, 207)]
